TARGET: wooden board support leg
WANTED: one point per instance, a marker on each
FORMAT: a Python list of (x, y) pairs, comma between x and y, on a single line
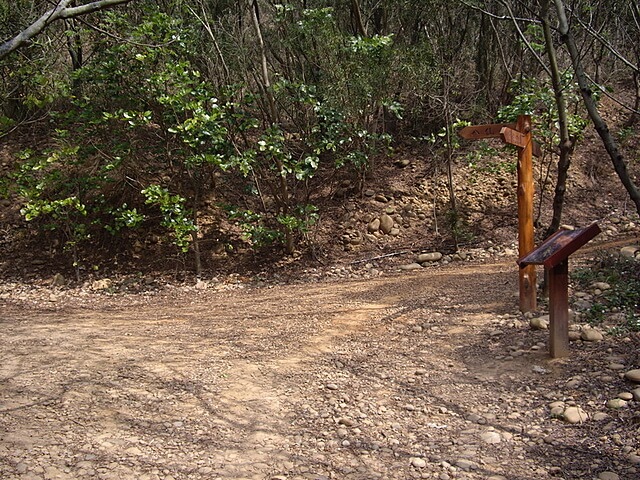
[(559, 310), (526, 241)]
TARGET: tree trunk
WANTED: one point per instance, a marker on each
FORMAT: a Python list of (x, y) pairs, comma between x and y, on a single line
[(566, 143), (282, 187), (600, 125)]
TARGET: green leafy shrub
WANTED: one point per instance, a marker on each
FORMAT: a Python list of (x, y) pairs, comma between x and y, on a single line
[(623, 275)]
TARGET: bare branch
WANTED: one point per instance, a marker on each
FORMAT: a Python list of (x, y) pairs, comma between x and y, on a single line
[(60, 12), (606, 44), (497, 17), (524, 38)]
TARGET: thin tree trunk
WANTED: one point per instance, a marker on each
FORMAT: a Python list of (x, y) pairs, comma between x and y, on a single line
[(356, 13), (566, 143), (283, 189), (600, 125)]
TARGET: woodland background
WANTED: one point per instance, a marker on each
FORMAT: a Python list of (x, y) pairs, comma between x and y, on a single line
[(209, 127)]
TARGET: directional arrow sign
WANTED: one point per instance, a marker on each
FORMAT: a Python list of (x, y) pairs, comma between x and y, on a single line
[(513, 137), (519, 139), (474, 132)]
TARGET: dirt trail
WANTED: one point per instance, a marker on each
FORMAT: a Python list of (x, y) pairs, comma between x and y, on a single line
[(397, 377)]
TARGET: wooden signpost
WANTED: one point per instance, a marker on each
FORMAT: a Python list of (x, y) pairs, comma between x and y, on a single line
[(554, 255), (519, 135)]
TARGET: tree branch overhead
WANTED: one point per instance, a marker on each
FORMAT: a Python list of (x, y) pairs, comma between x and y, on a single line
[(60, 12)]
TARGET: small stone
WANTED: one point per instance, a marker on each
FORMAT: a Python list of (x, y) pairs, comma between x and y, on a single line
[(634, 459), (332, 386), (103, 284), (491, 437), (418, 462), (600, 416), (601, 286), (540, 323), (574, 335), (429, 257), (374, 225), (608, 476), (591, 335), (465, 464), (616, 403), (411, 266), (557, 411), (575, 415), (629, 251), (626, 396), (386, 223), (346, 421), (615, 366), (633, 375), (573, 383), (636, 394)]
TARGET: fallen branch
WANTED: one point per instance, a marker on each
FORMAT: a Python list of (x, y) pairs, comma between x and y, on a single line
[(381, 256)]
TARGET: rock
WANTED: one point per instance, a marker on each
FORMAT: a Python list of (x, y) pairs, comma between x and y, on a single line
[(636, 394), (634, 459), (616, 366), (600, 416), (332, 386), (539, 323), (575, 415), (601, 286), (491, 437), (418, 462), (616, 403), (591, 335), (608, 476), (346, 421), (380, 198), (626, 396), (411, 266), (429, 257), (58, 280), (103, 284), (574, 335), (386, 223), (465, 464), (633, 375), (582, 304), (629, 251)]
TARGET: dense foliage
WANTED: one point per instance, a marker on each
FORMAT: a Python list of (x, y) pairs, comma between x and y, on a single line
[(190, 119)]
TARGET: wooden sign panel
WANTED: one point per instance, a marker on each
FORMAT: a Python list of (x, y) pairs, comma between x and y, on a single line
[(559, 246), (513, 137)]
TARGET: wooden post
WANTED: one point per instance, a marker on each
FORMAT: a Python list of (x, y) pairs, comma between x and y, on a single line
[(559, 310), (554, 255), (526, 239), (518, 134)]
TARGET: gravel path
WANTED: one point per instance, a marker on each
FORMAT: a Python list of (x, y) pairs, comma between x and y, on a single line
[(427, 374)]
